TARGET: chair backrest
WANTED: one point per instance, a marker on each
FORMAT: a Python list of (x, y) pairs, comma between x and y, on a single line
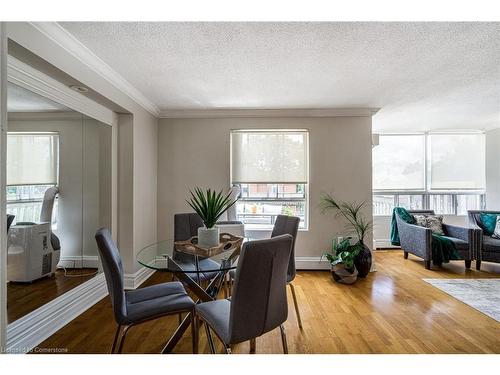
[(185, 227), (231, 211), (10, 219), (288, 225), (113, 271), (475, 217), (258, 302), (421, 212), (48, 204)]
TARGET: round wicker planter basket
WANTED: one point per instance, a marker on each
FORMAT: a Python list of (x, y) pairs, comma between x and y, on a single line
[(343, 276)]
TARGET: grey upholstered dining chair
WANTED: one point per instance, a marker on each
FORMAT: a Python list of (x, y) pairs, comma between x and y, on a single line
[(186, 226), (137, 306), (258, 304), (10, 219), (289, 225)]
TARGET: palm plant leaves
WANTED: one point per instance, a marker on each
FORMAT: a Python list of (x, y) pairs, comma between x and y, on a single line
[(351, 212), (209, 204)]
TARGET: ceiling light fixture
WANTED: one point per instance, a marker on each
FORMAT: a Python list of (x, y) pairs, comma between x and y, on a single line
[(78, 88)]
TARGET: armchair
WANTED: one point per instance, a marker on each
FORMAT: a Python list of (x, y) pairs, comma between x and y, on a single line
[(487, 248), (417, 240)]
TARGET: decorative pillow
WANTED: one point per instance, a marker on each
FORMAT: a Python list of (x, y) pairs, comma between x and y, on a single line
[(496, 232), (488, 222), (421, 220), (433, 222)]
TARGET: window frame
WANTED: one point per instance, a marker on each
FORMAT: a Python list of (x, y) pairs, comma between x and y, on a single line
[(428, 192), (305, 227)]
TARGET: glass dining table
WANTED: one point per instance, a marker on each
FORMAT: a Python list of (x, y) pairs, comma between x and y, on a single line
[(204, 276)]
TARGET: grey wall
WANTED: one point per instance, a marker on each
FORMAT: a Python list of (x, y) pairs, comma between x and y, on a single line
[(84, 180), (195, 152)]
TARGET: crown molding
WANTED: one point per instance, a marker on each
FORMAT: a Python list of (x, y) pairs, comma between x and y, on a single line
[(25, 76), (43, 116), (253, 113), (72, 45)]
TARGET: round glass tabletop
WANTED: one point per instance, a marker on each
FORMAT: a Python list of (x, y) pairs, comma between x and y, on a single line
[(162, 256)]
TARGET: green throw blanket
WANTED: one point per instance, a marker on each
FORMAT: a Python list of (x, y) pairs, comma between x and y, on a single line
[(443, 249)]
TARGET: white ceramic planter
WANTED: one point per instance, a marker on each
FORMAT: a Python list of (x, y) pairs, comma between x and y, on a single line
[(208, 237)]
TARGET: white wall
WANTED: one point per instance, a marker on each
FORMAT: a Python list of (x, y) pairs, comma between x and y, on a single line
[(493, 169), (84, 179), (195, 152)]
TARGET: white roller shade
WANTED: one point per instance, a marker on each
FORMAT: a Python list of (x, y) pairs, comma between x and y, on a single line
[(457, 161), (32, 159), (269, 156), (399, 162)]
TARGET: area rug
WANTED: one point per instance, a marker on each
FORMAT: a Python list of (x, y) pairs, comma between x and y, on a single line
[(481, 294)]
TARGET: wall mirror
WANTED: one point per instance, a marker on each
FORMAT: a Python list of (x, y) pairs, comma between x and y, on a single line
[(58, 194)]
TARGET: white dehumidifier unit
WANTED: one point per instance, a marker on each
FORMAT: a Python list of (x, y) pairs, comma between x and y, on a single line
[(30, 255)]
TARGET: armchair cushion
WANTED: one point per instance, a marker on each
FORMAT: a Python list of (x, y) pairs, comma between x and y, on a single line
[(491, 244), (459, 244)]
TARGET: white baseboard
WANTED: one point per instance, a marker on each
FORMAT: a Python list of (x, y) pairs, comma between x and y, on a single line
[(311, 263), (76, 261), (384, 244), (27, 332), (133, 280)]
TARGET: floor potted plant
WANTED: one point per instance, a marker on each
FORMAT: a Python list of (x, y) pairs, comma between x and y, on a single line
[(210, 205), (356, 224), (342, 258)]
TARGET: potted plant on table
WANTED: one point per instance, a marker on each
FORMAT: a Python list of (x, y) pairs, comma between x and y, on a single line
[(210, 205), (342, 258), (357, 225)]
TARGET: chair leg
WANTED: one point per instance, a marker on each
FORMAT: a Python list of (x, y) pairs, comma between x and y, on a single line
[(122, 339), (297, 311), (228, 349), (209, 339), (427, 264), (283, 339), (194, 332), (405, 254), (478, 265), (180, 318), (253, 344), (118, 328), (467, 263)]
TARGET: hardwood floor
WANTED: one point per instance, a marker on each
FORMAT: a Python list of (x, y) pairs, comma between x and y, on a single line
[(391, 311), (23, 298)]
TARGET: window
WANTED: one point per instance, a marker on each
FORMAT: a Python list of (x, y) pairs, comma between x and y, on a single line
[(399, 163), (444, 172), (271, 168), (32, 167), (457, 162)]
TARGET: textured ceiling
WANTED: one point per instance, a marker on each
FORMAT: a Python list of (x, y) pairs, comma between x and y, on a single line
[(422, 75), (22, 100)]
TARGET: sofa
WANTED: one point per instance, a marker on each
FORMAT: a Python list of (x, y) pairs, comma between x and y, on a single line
[(487, 248), (417, 240)]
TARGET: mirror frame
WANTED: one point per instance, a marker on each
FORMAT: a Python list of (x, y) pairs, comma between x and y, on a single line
[(28, 331)]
